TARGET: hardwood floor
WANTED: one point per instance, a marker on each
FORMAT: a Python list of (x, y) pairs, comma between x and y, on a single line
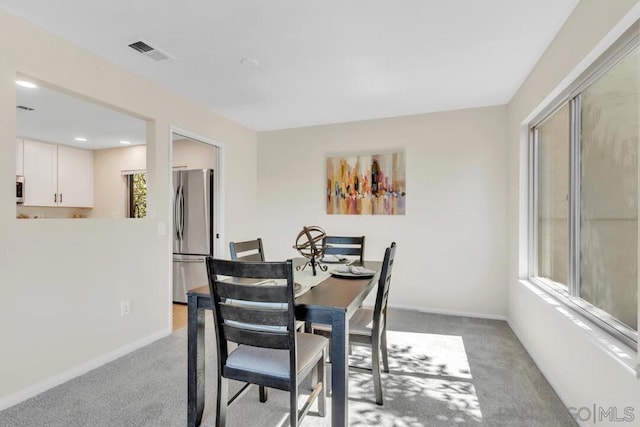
[(179, 316)]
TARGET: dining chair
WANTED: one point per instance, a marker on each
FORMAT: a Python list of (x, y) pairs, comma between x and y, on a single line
[(351, 246), (270, 352), (369, 326), (250, 250)]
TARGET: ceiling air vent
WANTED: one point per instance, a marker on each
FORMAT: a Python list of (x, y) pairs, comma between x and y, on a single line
[(24, 108), (149, 51)]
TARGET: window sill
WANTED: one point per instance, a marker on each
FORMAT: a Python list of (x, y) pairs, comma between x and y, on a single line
[(616, 349)]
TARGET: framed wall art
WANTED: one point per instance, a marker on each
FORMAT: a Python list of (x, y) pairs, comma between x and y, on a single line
[(366, 184)]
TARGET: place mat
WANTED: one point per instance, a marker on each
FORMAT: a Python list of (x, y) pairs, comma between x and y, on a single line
[(307, 280)]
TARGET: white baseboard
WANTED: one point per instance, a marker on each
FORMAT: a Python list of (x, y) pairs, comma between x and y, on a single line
[(452, 312), (35, 389)]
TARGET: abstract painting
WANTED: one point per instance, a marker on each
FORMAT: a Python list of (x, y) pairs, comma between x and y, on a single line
[(366, 184)]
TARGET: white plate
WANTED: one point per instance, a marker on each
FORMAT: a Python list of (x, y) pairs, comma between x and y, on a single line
[(352, 275)]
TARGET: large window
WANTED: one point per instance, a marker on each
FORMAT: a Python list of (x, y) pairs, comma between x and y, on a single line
[(584, 171)]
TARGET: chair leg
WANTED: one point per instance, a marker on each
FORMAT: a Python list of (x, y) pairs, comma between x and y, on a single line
[(314, 376), (221, 404), (383, 345), (263, 394), (322, 377), (293, 405), (375, 369)]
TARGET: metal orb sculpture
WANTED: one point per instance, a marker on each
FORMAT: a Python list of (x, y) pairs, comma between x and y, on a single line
[(311, 244)]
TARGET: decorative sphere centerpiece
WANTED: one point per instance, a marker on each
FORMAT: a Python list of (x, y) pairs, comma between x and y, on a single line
[(311, 244)]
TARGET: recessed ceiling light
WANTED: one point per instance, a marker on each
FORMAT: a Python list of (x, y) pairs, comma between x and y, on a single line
[(80, 139), (26, 84), (249, 62), (125, 142)]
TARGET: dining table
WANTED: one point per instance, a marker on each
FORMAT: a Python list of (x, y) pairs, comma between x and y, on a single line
[(325, 298)]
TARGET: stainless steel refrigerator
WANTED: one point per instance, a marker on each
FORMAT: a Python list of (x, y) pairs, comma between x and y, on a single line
[(193, 232)]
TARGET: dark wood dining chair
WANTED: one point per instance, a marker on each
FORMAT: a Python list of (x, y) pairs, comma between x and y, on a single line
[(250, 250), (369, 326), (351, 246), (270, 352)]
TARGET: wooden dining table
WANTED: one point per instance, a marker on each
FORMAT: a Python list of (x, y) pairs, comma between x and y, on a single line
[(333, 301)]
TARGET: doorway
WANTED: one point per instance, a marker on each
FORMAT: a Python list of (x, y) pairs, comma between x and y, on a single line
[(196, 206)]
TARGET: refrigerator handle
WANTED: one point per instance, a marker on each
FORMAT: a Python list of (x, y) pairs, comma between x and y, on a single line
[(192, 261), (181, 212), (207, 207), (176, 213)]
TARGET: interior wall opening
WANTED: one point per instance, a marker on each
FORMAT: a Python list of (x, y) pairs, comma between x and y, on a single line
[(195, 207)]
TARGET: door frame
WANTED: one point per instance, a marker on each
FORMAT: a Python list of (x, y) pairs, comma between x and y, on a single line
[(218, 184)]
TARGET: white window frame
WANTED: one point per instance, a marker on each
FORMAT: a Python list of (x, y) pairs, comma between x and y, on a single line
[(570, 297)]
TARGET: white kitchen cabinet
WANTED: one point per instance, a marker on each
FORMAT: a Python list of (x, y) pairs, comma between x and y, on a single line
[(40, 174), (19, 156), (56, 175), (75, 177)]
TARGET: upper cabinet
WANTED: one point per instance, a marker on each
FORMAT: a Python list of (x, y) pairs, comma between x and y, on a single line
[(75, 177), (40, 174), (56, 175), (19, 157)]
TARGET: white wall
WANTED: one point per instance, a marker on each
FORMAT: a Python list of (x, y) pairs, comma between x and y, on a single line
[(583, 366), (188, 154), (62, 280), (452, 240)]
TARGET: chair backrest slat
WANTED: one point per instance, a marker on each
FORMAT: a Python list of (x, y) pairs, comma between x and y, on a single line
[(250, 250), (257, 293), (251, 270), (345, 240), (345, 245), (264, 339), (252, 257), (254, 315), (332, 250)]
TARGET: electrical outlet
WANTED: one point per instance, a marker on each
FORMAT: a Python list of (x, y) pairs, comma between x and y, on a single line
[(125, 307)]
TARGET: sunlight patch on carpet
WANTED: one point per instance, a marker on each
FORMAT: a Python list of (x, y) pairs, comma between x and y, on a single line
[(427, 371)]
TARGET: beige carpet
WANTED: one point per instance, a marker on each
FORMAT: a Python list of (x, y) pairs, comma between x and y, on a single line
[(445, 371)]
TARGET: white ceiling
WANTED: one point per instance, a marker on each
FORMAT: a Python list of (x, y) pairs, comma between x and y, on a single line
[(60, 118), (319, 61)]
